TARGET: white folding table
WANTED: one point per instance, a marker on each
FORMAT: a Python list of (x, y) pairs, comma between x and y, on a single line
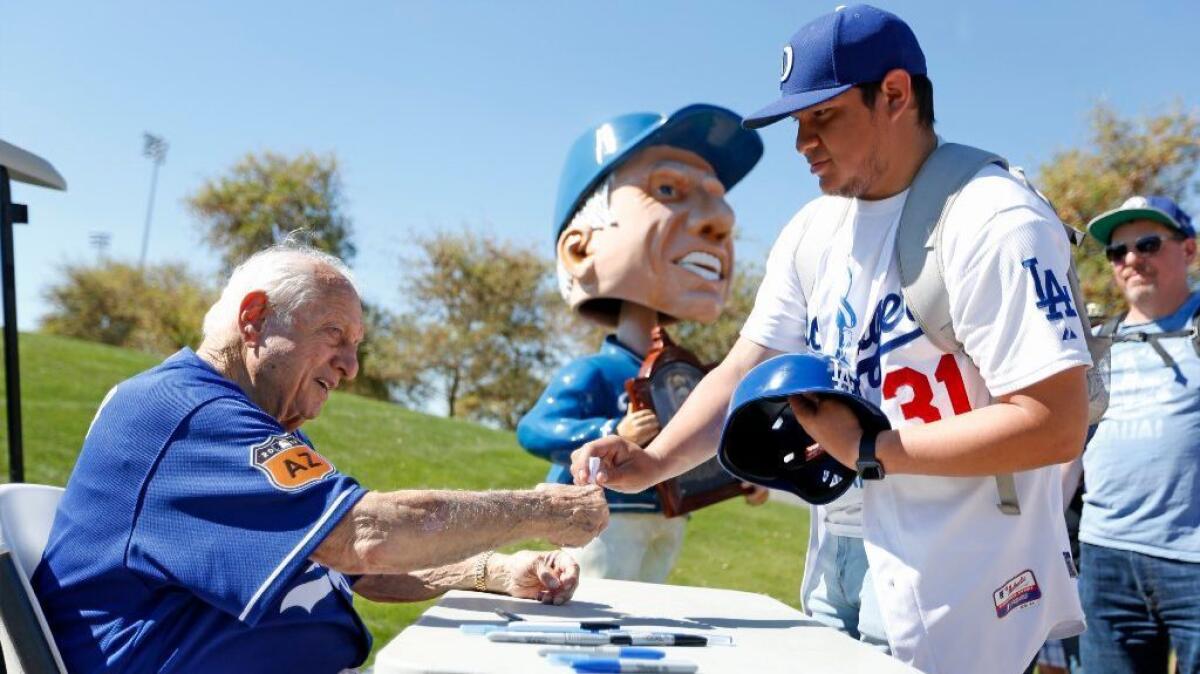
[(768, 635)]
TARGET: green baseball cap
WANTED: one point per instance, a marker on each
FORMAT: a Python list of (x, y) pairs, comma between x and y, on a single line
[(1162, 210)]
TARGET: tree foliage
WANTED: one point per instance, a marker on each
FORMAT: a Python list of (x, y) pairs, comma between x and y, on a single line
[(1154, 154), (264, 197), (479, 331), (159, 309)]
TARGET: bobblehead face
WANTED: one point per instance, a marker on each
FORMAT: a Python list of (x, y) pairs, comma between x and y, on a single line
[(670, 247)]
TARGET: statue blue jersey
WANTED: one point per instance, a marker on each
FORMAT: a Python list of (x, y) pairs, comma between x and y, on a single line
[(182, 542), (584, 401)]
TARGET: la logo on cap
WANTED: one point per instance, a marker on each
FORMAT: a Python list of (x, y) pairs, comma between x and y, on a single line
[(787, 63), (1136, 202)]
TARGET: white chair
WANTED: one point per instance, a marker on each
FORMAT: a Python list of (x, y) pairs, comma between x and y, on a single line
[(26, 513)]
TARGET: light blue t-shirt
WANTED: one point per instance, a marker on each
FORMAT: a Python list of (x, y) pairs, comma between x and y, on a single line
[(1142, 467)]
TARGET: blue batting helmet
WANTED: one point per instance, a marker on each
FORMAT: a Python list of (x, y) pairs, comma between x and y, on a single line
[(763, 443), (712, 132)]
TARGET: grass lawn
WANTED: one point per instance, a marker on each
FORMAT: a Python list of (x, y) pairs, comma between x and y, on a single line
[(388, 447)]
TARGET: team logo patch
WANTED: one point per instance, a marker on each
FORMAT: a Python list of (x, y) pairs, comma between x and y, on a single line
[(787, 64), (1021, 590), (289, 463)]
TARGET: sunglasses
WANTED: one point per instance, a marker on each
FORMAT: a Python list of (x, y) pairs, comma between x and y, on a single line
[(1146, 245)]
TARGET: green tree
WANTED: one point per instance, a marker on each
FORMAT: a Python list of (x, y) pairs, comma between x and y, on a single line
[(1154, 154), (480, 331), (380, 362), (264, 197), (159, 309)]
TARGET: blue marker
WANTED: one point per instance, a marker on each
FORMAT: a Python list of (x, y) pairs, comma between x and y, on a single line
[(566, 656), (615, 666)]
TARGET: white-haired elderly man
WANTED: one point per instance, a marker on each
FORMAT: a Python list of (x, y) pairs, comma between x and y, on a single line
[(202, 531)]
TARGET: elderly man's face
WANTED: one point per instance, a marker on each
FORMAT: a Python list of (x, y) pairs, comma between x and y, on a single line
[(672, 246), (296, 367), (1142, 275)]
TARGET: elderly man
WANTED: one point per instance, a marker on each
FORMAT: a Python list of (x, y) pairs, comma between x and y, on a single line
[(1140, 530), (202, 531), (961, 585)]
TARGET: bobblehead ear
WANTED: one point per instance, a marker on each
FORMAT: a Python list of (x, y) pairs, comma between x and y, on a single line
[(252, 316), (1189, 249), (574, 255)]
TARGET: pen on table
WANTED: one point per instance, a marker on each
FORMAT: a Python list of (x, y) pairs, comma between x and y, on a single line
[(615, 666), (621, 638), (569, 655), (507, 615), (529, 626)]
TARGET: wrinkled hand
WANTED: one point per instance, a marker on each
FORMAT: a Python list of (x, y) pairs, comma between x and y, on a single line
[(624, 466), (572, 515), (639, 427), (831, 423), (758, 495), (549, 577)]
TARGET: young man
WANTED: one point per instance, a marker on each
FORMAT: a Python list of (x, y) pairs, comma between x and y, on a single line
[(202, 531), (961, 586), (1140, 531), (643, 236)]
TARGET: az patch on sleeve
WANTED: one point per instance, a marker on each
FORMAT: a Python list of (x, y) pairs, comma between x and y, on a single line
[(289, 463)]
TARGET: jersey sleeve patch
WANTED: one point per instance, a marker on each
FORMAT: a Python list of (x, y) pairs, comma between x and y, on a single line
[(289, 463)]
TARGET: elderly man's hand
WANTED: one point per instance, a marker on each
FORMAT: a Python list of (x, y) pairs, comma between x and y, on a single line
[(549, 577), (573, 515)]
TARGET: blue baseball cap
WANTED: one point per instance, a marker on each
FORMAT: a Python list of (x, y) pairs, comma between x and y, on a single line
[(1162, 210), (763, 443), (710, 131), (832, 53)]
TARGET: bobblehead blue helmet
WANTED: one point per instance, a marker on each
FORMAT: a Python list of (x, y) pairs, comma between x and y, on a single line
[(710, 131), (763, 443)]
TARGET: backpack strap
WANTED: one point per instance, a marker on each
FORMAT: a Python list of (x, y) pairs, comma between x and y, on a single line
[(918, 244), (918, 238)]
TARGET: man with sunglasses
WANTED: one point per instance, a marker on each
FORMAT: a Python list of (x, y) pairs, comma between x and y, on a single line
[(1140, 531)]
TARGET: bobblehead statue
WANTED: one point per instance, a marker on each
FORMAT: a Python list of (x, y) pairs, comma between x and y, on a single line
[(644, 237)]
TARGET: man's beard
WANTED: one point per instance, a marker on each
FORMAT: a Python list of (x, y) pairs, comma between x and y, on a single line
[(860, 184)]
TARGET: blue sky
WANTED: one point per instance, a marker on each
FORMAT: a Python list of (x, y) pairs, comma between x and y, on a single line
[(458, 114)]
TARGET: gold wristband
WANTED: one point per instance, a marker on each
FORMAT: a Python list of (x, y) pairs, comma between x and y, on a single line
[(481, 571)]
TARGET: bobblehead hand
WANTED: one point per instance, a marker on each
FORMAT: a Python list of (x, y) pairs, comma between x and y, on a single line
[(639, 427), (549, 577), (831, 423)]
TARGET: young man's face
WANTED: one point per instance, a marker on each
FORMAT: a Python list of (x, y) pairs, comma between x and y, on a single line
[(1141, 276), (844, 142), (671, 248), (296, 367)]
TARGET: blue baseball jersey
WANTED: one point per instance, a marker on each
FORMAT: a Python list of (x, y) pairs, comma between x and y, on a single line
[(182, 542), (584, 401)]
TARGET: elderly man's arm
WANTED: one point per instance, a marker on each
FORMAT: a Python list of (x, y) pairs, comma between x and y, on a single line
[(550, 577), (403, 531)]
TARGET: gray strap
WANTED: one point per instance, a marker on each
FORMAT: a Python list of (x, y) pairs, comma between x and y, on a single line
[(1006, 485), (918, 239), (809, 253), (918, 245)]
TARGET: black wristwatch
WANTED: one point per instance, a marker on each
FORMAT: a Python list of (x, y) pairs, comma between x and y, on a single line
[(868, 467)]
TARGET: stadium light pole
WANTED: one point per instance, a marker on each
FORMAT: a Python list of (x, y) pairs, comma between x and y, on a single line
[(154, 148), (23, 167)]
